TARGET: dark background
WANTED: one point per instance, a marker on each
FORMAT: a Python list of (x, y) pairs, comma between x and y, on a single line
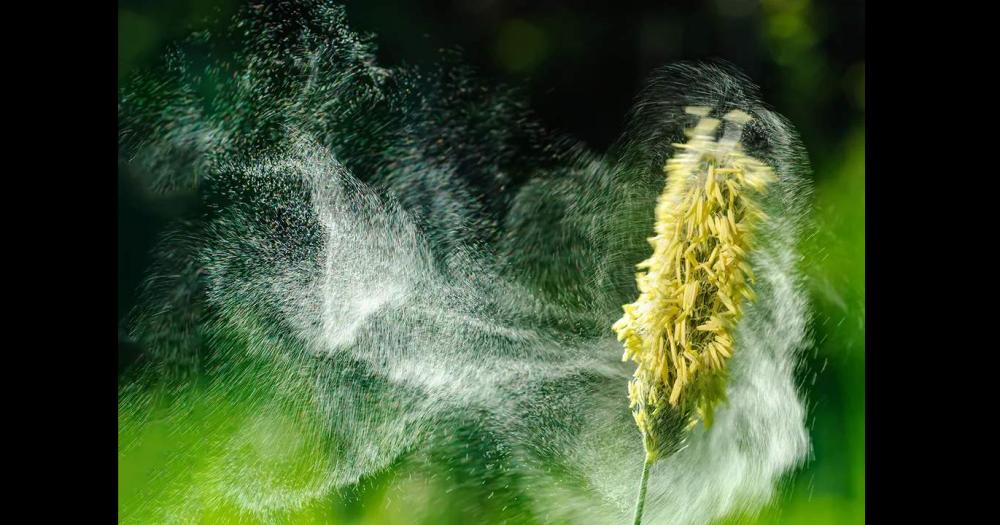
[(580, 67)]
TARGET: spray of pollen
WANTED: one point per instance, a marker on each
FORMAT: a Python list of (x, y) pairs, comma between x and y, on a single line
[(679, 331)]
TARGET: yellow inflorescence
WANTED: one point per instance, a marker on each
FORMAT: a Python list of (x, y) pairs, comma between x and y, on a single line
[(680, 330)]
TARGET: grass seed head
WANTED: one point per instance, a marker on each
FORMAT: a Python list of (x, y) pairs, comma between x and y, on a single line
[(679, 332)]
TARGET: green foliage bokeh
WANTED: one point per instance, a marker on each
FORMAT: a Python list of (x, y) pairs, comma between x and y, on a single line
[(812, 73)]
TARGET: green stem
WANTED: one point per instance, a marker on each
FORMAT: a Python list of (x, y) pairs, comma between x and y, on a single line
[(640, 502)]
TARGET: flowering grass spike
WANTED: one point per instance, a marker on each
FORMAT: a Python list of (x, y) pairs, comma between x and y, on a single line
[(680, 330)]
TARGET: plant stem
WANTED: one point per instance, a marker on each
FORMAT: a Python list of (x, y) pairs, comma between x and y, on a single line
[(641, 500)]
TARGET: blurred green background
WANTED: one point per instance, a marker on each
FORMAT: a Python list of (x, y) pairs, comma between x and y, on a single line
[(580, 69)]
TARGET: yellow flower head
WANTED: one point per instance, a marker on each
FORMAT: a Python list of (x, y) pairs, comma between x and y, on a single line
[(680, 330)]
